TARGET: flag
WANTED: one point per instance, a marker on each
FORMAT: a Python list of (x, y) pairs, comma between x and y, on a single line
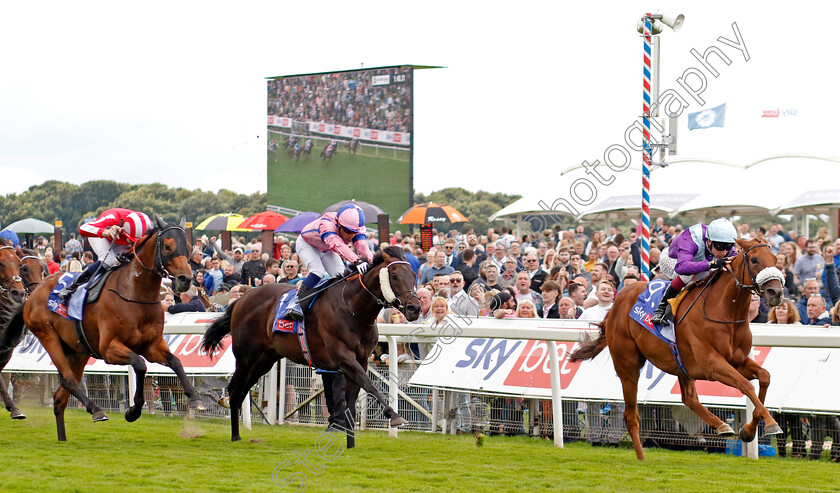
[(712, 117)]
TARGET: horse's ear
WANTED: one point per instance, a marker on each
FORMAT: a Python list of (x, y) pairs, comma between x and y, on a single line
[(19, 251), (183, 222), (160, 222), (387, 258)]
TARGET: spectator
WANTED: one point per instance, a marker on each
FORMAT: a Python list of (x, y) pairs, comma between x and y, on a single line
[(535, 274), (508, 275), (567, 309), (783, 265), (523, 290), (809, 288), (73, 246), (809, 264), (290, 272), (214, 278), (604, 292), (468, 267), (237, 259), (577, 293), (784, 313), (450, 254), (268, 279), (460, 302), (272, 266), (190, 302), (254, 268), (231, 278), (425, 298), (756, 316), (166, 300), (236, 292), (503, 305), (550, 294), (52, 266), (526, 309), (599, 273), (816, 311), (196, 261), (439, 267)]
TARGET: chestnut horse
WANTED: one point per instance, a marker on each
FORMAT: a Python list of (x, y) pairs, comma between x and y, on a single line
[(340, 332), (713, 336), (12, 292), (123, 325)]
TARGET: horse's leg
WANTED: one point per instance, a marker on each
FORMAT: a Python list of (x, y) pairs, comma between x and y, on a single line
[(246, 374), (689, 398), (159, 353), (61, 397), (357, 375), (10, 404), (750, 370), (724, 373), (349, 413), (65, 365), (628, 361), (118, 354)]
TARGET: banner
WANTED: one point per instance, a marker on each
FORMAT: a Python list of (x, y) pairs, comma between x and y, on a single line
[(713, 117), (520, 367), (383, 136)]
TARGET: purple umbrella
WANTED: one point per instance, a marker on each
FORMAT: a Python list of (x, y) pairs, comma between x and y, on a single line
[(297, 223)]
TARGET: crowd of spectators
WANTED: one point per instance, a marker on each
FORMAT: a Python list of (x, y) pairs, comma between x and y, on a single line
[(345, 98)]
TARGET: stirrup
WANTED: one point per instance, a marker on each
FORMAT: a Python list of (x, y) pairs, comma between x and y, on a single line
[(295, 312)]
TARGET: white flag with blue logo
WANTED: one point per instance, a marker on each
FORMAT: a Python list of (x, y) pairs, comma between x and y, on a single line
[(712, 117)]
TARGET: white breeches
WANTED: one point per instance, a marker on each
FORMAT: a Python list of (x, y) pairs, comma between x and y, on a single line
[(318, 262), (105, 251)]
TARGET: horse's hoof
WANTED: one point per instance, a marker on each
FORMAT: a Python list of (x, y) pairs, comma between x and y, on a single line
[(197, 405), (224, 402), (397, 421), (16, 414), (744, 436), (235, 439), (100, 416), (725, 430), (773, 430), (131, 415)]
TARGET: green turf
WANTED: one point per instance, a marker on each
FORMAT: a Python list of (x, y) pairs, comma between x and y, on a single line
[(161, 454), (312, 184), (152, 455)]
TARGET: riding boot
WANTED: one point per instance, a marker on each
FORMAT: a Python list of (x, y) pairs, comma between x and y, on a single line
[(658, 317), (83, 278), (296, 311)]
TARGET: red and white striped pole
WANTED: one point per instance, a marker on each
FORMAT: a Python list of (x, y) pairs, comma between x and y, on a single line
[(647, 152)]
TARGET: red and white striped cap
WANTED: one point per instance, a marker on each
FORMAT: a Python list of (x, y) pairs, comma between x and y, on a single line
[(136, 224)]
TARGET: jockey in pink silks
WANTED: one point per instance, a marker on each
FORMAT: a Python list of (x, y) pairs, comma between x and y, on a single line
[(324, 245)]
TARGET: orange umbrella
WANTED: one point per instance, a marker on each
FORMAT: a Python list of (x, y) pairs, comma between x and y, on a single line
[(267, 220), (431, 212)]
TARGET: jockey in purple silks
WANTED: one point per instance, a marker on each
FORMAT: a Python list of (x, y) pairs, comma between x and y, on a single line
[(324, 245), (695, 251)]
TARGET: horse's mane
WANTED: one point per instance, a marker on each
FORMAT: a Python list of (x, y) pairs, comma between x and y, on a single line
[(29, 251), (392, 251)]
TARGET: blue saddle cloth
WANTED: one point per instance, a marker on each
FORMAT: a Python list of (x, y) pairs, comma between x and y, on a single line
[(643, 310), (77, 300), (283, 304)]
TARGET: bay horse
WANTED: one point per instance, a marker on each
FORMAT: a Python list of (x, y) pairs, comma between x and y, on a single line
[(12, 292), (340, 332), (327, 153), (124, 326), (713, 336), (353, 145)]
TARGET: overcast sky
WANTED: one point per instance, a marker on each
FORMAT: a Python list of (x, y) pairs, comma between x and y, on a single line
[(175, 91)]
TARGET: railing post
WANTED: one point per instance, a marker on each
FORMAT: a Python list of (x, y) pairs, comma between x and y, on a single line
[(393, 375), (281, 416), (556, 400)]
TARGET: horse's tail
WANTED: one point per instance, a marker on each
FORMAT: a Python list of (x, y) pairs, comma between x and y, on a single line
[(11, 330), (216, 332), (589, 348)]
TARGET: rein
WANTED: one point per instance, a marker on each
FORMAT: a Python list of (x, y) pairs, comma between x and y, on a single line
[(159, 268), (28, 285), (399, 305)]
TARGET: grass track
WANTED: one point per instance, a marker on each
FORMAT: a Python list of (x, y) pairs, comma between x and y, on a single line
[(150, 455), (313, 184)]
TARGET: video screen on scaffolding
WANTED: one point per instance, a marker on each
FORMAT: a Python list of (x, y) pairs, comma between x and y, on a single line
[(339, 136)]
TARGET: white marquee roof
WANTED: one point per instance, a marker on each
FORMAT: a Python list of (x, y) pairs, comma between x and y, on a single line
[(691, 186)]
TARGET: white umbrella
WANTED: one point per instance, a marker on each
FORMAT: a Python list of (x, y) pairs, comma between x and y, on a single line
[(31, 225)]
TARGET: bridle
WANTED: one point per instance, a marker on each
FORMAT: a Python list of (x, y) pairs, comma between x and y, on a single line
[(160, 265), (5, 291), (396, 302), (28, 286), (765, 274)]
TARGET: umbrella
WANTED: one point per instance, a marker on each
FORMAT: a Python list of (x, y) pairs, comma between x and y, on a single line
[(431, 212), (223, 222), (297, 223), (31, 225), (371, 211), (268, 220)]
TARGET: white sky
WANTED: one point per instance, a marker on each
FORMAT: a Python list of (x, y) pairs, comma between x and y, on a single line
[(175, 91)]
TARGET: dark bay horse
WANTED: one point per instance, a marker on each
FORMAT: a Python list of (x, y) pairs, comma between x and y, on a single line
[(353, 145), (12, 292), (713, 336), (340, 331), (123, 325)]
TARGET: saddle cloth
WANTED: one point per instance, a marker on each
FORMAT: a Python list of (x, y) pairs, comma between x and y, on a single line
[(643, 310), (83, 295)]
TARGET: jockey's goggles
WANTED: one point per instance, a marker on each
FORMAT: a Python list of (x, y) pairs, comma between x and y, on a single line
[(721, 246)]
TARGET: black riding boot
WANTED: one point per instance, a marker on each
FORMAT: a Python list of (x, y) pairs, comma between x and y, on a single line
[(83, 278), (658, 317)]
